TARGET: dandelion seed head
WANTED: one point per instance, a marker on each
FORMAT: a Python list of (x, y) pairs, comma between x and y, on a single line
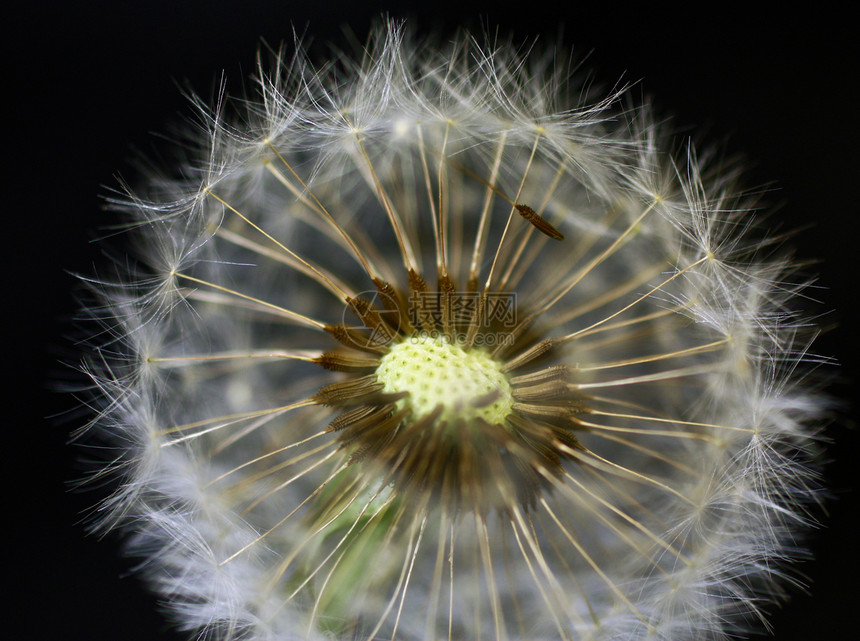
[(441, 344)]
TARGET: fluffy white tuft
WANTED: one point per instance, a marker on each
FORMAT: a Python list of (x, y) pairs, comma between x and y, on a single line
[(687, 373)]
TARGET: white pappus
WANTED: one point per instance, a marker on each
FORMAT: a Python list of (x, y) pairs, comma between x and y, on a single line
[(439, 344)]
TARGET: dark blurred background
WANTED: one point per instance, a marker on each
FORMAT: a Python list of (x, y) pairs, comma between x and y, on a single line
[(88, 84)]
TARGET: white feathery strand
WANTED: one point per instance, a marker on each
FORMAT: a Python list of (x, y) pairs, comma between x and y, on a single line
[(294, 316), (514, 201), (484, 220)]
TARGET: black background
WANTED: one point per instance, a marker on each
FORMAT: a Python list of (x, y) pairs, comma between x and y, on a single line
[(86, 84)]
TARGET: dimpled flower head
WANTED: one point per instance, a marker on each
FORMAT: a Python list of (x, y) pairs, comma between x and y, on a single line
[(437, 344)]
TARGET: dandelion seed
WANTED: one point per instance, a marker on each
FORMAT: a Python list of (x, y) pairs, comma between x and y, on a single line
[(424, 352)]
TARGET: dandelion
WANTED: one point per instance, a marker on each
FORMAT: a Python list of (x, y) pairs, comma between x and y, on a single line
[(437, 344)]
